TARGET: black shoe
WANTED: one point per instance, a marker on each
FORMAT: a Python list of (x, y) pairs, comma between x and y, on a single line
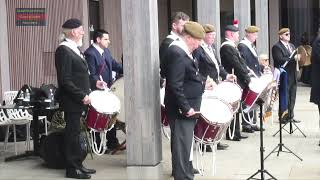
[(247, 129), (76, 174), (242, 136), (208, 148), (284, 121), (221, 146), (296, 121), (87, 171), (256, 128), (195, 171), (235, 138)]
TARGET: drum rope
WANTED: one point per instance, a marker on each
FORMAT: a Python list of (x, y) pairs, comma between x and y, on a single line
[(250, 119), (231, 135)]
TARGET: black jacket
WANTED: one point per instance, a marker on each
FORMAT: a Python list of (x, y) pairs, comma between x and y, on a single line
[(184, 85), (315, 72), (162, 53), (73, 79), (207, 66), (231, 59), (281, 55), (250, 59)]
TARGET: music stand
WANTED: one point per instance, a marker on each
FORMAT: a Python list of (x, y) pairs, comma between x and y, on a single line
[(262, 171), (281, 145), (291, 130)]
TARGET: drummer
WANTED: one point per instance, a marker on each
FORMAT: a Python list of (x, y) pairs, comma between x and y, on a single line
[(73, 94), (101, 64), (232, 61), (248, 52), (209, 65)]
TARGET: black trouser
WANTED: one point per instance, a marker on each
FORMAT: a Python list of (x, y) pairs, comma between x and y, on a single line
[(181, 142), (71, 140), (111, 136), (292, 91)]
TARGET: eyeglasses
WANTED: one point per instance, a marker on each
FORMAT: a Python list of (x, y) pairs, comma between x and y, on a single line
[(287, 34)]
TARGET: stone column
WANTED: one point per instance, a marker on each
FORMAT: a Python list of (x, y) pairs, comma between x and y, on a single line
[(273, 25), (262, 21), (142, 88), (242, 13), (209, 12), (4, 53)]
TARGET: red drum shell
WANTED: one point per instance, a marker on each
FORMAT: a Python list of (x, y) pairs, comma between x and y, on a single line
[(96, 120), (164, 119)]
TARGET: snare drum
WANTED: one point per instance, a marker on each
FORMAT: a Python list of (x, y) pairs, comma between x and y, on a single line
[(256, 90), (227, 91), (215, 118), (103, 104)]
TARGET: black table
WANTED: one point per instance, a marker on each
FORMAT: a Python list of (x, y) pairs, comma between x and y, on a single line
[(37, 110)]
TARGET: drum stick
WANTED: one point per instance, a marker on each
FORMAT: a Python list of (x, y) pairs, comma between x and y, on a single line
[(104, 86), (232, 72)]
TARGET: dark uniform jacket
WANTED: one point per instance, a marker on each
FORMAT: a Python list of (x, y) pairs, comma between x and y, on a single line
[(207, 66), (231, 59), (281, 55), (162, 53), (73, 79), (250, 59), (184, 85), (315, 73), (101, 65)]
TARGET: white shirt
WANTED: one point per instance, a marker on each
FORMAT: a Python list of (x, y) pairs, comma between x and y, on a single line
[(250, 45), (174, 36), (210, 53), (99, 49)]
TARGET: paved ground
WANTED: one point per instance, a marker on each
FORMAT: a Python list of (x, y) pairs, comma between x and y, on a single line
[(240, 161)]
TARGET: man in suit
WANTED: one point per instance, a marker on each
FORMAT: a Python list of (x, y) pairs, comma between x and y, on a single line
[(184, 88), (248, 52), (233, 62), (178, 20), (73, 84), (101, 63), (209, 66), (282, 54), (315, 73)]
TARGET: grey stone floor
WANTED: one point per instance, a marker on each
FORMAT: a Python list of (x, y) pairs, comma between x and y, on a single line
[(240, 161)]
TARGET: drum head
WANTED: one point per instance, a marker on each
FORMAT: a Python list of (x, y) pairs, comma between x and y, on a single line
[(118, 89), (227, 91), (216, 110), (104, 102)]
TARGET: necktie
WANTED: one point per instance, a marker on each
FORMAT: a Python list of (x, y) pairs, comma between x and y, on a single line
[(288, 47)]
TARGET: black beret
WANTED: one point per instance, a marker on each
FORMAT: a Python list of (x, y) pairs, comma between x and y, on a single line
[(231, 28), (72, 23)]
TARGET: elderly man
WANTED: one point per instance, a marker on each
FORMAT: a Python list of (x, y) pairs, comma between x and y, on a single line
[(178, 20), (73, 84), (248, 52), (233, 62), (184, 88), (283, 56), (209, 66)]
